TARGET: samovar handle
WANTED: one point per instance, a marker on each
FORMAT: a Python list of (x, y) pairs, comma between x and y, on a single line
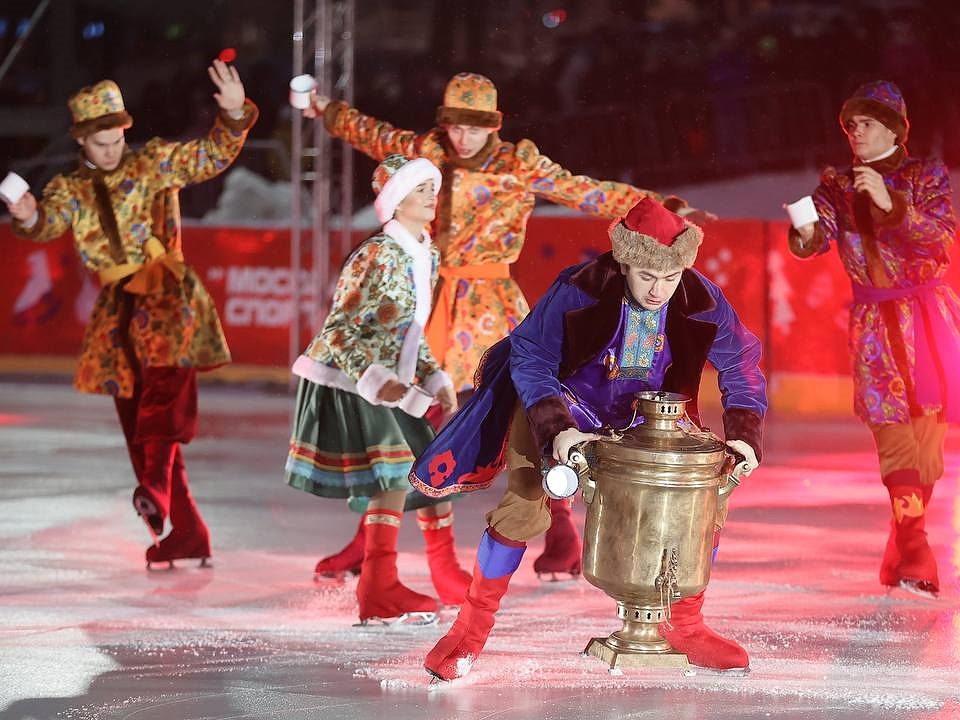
[(733, 477)]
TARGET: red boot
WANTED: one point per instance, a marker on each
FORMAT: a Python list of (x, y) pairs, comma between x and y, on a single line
[(151, 498), (687, 634), (347, 560), (455, 653), (917, 566), (380, 593), (450, 580), (189, 538), (561, 551), (891, 555)]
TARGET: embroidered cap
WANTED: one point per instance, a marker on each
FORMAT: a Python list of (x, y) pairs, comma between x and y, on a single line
[(396, 177), (650, 236), (98, 107), (881, 100), (470, 99)]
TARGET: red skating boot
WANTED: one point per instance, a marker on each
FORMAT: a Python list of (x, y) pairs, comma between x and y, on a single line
[(917, 566), (454, 655), (380, 593), (151, 498), (561, 551), (891, 555), (450, 580), (687, 634), (189, 538), (346, 561)]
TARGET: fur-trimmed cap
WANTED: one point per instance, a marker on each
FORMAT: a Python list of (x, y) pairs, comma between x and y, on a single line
[(652, 237), (98, 107), (470, 99), (881, 100), (396, 177)]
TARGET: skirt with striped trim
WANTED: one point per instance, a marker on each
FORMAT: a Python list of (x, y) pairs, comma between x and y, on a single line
[(344, 447)]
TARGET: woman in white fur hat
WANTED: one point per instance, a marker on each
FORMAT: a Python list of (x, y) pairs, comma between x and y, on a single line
[(352, 436)]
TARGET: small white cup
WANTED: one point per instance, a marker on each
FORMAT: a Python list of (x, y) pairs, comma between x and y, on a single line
[(560, 481), (300, 88), (13, 188), (416, 401), (802, 212)]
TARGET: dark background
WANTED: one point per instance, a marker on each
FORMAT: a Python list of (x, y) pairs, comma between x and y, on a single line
[(658, 92)]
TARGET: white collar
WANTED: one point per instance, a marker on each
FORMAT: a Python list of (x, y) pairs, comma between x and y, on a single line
[(415, 248), (881, 156)]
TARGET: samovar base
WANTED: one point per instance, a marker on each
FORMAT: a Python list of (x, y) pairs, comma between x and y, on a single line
[(617, 656)]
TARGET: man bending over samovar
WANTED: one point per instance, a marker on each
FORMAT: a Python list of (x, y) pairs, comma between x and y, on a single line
[(637, 318)]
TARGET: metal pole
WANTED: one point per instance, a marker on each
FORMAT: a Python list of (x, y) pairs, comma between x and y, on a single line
[(321, 168), (296, 180), (346, 165), (18, 45)]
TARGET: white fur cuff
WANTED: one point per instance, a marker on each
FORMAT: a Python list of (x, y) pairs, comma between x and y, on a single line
[(372, 381), (437, 381)]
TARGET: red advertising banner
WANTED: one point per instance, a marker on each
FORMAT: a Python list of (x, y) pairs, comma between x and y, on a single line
[(798, 308)]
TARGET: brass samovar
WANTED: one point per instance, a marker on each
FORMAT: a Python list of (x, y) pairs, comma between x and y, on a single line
[(651, 494)]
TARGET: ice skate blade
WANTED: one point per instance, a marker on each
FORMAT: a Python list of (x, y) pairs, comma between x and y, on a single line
[(729, 672), (557, 576), (921, 588), (204, 563), (414, 619), (335, 575)]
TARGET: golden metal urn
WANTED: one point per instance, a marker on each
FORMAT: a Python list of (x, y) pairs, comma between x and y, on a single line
[(652, 495)]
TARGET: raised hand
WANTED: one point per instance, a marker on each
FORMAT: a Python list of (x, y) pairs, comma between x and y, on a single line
[(230, 95), (868, 180), (318, 103), (24, 208)]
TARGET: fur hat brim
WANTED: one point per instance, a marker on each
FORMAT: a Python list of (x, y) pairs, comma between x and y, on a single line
[(467, 116), (639, 250), (890, 119), (83, 128), (402, 183)]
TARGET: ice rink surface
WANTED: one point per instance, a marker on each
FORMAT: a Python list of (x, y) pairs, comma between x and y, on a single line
[(87, 633)]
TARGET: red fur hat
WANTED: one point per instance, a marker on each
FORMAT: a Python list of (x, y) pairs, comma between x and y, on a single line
[(650, 236)]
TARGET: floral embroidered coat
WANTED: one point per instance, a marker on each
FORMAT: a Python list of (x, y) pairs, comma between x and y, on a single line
[(374, 331), (176, 324), (484, 205), (907, 247)]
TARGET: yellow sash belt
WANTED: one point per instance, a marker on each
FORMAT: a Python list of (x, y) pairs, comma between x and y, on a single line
[(148, 276), (438, 327)]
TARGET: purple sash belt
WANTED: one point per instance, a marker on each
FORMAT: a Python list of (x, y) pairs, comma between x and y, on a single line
[(933, 339)]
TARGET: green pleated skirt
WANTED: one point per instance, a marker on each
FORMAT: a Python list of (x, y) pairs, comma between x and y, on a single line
[(344, 447)]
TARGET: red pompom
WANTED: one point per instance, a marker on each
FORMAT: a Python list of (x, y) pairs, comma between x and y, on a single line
[(227, 55)]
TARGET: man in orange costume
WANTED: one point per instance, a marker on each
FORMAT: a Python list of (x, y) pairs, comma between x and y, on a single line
[(488, 192)]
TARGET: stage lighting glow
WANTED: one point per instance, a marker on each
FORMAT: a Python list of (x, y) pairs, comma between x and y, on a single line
[(93, 30), (22, 27), (4, 26), (554, 18)]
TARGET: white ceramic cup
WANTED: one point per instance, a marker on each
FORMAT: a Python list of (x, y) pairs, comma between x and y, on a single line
[(300, 88), (560, 481), (416, 401), (13, 188), (802, 212)]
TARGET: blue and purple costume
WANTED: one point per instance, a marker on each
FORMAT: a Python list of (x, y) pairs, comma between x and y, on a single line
[(576, 361)]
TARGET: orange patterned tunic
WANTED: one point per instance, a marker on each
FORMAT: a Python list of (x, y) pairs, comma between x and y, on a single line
[(174, 322), (481, 223)]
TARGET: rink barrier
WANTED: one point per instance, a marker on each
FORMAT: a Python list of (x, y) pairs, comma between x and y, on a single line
[(797, 308)]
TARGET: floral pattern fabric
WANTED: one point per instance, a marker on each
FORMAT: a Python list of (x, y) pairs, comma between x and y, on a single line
[(372, 311), (909, 248), (177, 327), (483, 209)]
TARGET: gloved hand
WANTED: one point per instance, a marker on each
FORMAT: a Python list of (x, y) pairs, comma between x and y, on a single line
[(749, 456)]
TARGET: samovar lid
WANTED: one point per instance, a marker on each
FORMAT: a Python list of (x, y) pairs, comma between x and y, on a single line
[(666, 430)]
